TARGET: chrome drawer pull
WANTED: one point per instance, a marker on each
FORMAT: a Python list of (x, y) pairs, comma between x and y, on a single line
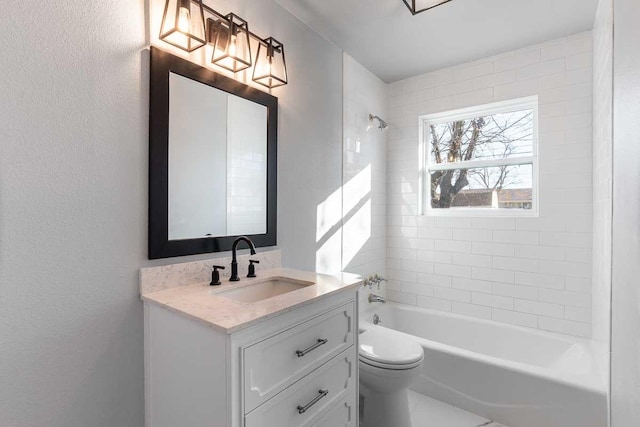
[(320, 342), (303, 409)]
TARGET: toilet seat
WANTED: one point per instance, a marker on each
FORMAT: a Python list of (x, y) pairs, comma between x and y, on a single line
[(388, 350), (388, 366)]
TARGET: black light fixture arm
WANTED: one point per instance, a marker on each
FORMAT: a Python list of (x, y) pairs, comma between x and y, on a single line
[(219, 15)]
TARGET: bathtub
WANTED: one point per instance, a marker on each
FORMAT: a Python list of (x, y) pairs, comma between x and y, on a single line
[(515, 376)]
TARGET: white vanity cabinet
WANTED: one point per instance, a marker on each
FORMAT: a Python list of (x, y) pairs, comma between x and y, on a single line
[(295, 369)]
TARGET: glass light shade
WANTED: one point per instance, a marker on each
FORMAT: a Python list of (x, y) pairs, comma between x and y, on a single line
[(183, 24), (270, 69), (417, 6), (230, 39)]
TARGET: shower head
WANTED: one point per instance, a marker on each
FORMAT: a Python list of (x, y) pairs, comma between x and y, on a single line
[(382, 125)]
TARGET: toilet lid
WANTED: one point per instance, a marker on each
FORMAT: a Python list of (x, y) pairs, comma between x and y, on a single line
[(389, 348)]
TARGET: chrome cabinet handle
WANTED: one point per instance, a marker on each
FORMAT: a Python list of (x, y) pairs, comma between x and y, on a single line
[(320, 342), (305, 408)]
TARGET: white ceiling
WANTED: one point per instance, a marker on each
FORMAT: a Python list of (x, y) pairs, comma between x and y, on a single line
[(384, 37)]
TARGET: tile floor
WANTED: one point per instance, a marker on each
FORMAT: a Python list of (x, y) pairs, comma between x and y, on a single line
[(426, 412)]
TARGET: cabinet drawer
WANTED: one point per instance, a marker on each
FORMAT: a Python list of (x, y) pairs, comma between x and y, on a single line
[(280, 360), (341, 415), (306, 401)]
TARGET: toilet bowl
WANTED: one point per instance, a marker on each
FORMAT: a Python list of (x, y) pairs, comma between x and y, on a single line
[(388, 364)]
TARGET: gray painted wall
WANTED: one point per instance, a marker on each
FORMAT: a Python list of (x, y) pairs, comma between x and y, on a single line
[(73, 168), (73, 196), (625, 342)]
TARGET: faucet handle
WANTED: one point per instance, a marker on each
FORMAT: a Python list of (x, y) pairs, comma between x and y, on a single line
[(252, 267), (368, 281), (373, 279), (215, 275)]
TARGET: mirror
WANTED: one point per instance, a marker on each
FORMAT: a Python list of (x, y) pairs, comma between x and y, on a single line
[(217, 162), (212, 160)]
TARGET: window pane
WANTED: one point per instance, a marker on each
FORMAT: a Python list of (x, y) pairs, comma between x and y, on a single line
[(501, 187), (488, 137)]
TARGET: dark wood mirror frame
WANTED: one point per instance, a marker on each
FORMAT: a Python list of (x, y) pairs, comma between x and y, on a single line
[(163, 63)]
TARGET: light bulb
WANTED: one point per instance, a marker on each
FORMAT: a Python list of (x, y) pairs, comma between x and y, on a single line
[(232, 47), (265, 68), (184, 20), (270, 55)]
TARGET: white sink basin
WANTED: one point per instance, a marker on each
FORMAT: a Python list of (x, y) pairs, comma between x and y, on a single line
[(263, 290)]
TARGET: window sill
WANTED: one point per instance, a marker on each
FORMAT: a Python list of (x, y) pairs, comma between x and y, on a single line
[(481, 213)]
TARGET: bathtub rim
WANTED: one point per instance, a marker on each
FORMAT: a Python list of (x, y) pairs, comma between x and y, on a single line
[(594, 381)]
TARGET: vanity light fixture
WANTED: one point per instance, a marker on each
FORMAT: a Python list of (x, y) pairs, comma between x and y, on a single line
[(183, 26), (230, 40), (270, 69), (417, 6)]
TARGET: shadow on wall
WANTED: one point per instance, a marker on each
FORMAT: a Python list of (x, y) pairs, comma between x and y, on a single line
[(354, 227)]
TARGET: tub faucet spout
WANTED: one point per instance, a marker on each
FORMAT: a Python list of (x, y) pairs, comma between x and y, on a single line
[(376, 298)]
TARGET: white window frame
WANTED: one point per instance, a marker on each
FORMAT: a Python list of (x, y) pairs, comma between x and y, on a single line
[(426, 120)]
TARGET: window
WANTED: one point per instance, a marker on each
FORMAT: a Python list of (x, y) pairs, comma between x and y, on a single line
[(480, 160)]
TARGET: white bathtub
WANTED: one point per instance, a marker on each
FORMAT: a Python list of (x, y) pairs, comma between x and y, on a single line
[(516, 376)]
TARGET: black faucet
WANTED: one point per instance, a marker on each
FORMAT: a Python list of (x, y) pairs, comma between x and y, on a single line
[(234, 262)]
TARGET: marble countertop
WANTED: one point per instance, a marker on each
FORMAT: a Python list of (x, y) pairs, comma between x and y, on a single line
[(202, 302)]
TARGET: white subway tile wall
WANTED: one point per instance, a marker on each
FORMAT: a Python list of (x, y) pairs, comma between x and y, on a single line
[(364, 246), (534, 272), (602, 172)]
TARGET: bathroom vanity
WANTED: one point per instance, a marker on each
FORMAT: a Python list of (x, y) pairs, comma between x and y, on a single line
[(277, 350)]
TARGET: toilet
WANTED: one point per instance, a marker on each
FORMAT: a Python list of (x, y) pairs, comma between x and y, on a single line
[(388, 362)]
